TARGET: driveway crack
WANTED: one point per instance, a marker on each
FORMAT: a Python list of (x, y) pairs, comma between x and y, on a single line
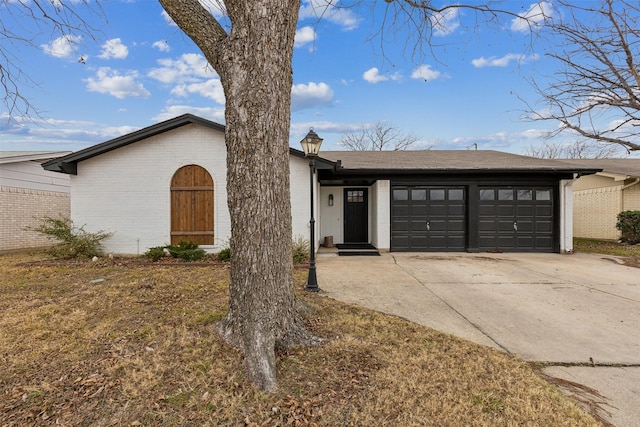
[(475, 325)]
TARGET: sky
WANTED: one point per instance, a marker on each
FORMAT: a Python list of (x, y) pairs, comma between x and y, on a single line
[(465, 91)]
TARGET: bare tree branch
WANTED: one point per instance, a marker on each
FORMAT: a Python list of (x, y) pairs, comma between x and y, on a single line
[(50, 19), (595, 93), (577, 150), (378, 137)]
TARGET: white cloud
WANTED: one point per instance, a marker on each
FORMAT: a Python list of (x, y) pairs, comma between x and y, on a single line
[(502, 61), (161, 45), (325, 9), (190, 67), (111, 82), (533, 18), (310, 95), (114, 49), (372, 75), (446, 22), (62, 47), (169, 112), (211, 89), (304, 35), (425, 73)]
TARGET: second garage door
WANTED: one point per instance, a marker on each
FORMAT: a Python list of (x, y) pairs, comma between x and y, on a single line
[(516, 219)]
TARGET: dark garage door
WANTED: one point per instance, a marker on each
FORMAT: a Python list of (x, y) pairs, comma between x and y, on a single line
[(428, 218), (516, 219)]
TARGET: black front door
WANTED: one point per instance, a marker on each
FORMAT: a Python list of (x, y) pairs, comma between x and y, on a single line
[(356, 215)]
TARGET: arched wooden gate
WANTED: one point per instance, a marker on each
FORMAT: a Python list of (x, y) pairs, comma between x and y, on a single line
[(192, 206)]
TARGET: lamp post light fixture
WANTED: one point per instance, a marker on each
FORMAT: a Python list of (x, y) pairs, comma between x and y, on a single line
[(311, 146)]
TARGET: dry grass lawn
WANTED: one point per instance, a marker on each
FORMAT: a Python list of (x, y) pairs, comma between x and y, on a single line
[(629, 253), (127, 343)]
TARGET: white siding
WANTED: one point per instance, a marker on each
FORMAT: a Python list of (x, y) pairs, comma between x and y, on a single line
[(331, 217), (30, 175), (127, 191)]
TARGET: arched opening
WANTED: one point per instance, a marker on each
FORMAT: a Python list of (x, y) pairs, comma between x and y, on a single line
[(192, 206)]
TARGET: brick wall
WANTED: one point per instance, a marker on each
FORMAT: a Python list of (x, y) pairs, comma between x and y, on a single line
[(595, 212), (20, 208), (632, 198)]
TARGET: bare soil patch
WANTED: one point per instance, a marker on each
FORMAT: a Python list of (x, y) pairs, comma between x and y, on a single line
[(126, 342)]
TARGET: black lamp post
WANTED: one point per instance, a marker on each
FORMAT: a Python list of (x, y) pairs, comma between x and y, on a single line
[(311, 146)]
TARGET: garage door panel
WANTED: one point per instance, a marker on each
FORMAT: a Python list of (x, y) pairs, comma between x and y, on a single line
[(487, 210), (544, 227), (418, 226), (525, 226), (458, 226), (418, 210), (506, 210), (505, 226), (487, 225), (456, 209), (400, 210), (437, 210), (400, 225), (525, 211), (544, 210)]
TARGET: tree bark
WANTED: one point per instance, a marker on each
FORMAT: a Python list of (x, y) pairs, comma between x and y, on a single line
[(254, 64)]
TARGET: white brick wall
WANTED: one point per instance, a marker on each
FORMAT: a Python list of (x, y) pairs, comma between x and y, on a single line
[(381, 221), (127, 191), (23, 207)]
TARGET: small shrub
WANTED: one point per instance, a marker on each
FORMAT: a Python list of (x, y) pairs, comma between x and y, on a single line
[(300, 250), (186, 251), (629, 226), (224, 255), (155, 253), (73, 242)]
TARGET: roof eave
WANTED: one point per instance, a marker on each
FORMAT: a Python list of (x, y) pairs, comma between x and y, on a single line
[(68, 164)]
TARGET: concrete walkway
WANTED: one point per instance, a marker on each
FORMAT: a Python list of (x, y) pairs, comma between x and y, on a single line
[(580, 313)]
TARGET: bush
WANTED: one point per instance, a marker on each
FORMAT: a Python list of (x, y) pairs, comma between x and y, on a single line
[(224, 255), (300, 250), (73, 242), (186, 251), (155, 253), (629, 226)]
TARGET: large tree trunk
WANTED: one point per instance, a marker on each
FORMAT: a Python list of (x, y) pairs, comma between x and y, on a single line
[(254, 64)]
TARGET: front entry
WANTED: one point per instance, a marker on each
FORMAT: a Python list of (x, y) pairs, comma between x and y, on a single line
[(356, 215)]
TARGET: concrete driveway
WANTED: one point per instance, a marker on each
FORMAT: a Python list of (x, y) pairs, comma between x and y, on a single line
[(579, 313)]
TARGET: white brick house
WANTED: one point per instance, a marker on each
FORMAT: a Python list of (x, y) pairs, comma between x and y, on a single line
[(123, 185), (143, 186)]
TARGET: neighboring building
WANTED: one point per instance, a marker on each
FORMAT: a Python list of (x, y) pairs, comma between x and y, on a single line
[(167, 182), (599, 198), (27, 193)]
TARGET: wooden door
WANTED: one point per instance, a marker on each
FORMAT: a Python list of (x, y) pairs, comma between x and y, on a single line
[(192, 206)]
